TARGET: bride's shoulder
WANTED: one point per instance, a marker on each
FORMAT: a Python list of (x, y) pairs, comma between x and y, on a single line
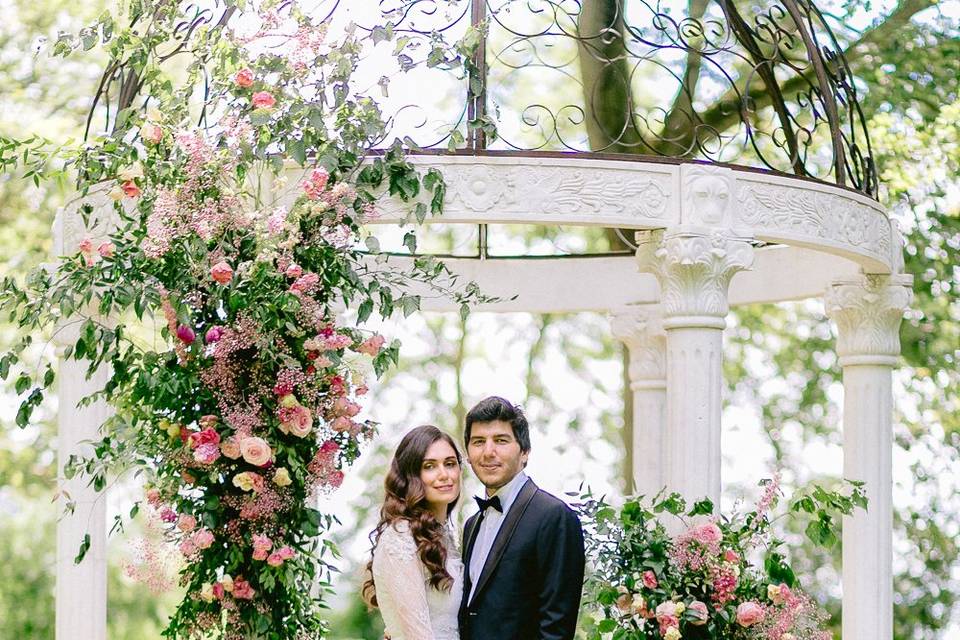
[(397, 540)]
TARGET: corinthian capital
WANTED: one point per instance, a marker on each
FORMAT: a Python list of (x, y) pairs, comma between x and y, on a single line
[(868, 311), (641, 329), (694, 270)]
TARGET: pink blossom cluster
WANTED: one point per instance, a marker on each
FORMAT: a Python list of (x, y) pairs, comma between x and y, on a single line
[(697, 548)]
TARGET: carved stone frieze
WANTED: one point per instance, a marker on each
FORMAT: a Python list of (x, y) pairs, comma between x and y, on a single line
[(868, 311), (694, 270), (643, 333), (551, 190), (832, 216)]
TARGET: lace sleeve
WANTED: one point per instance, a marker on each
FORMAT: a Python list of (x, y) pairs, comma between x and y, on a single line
[(401, 586)]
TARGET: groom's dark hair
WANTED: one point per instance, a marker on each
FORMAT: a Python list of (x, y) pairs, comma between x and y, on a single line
[(495, 408)]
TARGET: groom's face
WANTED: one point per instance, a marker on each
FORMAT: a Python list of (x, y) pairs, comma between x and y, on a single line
[(494, 453)]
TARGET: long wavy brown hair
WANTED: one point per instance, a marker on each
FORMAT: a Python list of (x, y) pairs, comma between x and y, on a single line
[(405, 499)]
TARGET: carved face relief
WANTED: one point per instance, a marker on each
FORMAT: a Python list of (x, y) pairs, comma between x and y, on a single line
[(710, 199), (706, 194)]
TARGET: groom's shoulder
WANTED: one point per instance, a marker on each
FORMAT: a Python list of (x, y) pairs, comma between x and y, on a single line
[(547, 503)]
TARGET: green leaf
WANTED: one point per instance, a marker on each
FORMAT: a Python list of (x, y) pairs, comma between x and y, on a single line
[(84, 547), (364, 310), (22, 384), (373, 244), (409, 304), (410, 241)]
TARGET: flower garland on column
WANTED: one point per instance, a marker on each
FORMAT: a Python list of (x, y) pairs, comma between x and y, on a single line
[(249, 407)]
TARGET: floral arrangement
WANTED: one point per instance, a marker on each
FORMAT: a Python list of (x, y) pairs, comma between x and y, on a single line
[(703, 576), (249, 406)]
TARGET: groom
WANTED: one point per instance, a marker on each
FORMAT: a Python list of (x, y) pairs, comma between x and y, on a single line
[(523, 552)]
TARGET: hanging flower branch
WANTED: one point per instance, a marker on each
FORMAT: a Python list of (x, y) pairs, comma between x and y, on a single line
[(249, 407)]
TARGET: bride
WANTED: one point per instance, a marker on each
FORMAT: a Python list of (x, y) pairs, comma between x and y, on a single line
[(416, 573)]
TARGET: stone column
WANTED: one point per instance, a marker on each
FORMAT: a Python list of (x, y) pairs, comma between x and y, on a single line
[(81, 589), (868, 311), (81, 596), (694, 267), (641, 330)]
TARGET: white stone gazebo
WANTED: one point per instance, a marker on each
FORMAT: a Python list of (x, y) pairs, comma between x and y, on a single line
[(709, 235)]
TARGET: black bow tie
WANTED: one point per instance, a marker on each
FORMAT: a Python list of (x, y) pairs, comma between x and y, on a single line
[(492, 502)]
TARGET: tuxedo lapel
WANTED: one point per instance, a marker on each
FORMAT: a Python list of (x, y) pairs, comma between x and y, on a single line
[(509, 525), (470, 530)]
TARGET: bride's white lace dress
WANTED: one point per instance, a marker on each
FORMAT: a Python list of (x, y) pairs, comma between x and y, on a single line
[(411, 608)]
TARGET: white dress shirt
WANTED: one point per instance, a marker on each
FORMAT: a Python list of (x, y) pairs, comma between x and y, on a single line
[(490, 527)]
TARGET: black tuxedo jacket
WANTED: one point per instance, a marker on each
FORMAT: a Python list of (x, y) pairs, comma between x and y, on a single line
[(531, 584)]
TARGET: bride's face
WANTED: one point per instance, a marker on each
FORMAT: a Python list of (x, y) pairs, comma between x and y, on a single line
[(440, 474)]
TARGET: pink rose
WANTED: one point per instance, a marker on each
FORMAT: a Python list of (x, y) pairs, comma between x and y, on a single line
[(731, 556), (208, 435), (213, 335), (168, 515), (263, 100), (650, 580), (186, 334), (203, 538), (700, 610), (186, 523), (207, 453), (262, 541), (335, 479), (286, 552), (221, 272), (707, 534), (371, 346), (106, 249), (255, 450), (294, 271), (86, 250), (242, 589), (209, 421), (298, 421), (218, 591), (666, 609), (316, 183), (274, 559), (130, 189), (244, 78), (345, 407), (260, 554), (749, 613), (151, 133), (187, 547), (231, 448), (342, 424), (153, 497), (329, 448)]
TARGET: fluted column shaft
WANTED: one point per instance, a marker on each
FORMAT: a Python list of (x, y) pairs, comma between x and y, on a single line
[(694, 267), (81, 595), (642, 333), (868, 312)]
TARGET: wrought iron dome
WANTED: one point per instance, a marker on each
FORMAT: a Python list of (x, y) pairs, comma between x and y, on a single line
[(760, 84), (749, 83)]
